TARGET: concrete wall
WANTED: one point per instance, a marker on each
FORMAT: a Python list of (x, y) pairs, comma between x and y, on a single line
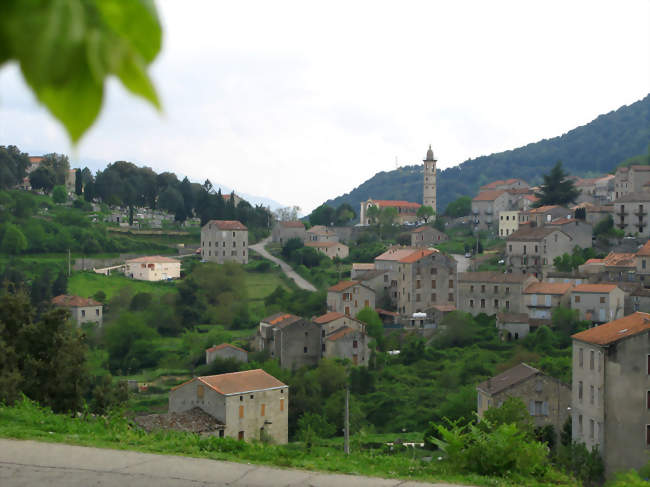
[(492, 297), (297, 344), (343, 348), (540, 306), (282, 235), (588, 409), (226, 353), (224, 245), (611, 308), (536, 257), (429, 281), (428, 237), (488, 212), (333, 325), (351, 300), (633, 217), (87, 314), (508, 222)]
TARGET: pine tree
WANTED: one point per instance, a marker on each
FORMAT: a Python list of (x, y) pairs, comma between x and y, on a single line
[(557, 189)]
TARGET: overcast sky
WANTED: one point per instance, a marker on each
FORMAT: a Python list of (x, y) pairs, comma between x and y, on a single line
[(303, 101)]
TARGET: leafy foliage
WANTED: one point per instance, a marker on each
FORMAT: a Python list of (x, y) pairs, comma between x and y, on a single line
[(13, 166), (557, 188), (66, 50)]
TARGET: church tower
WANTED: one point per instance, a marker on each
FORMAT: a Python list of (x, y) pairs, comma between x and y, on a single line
[(429, 192)]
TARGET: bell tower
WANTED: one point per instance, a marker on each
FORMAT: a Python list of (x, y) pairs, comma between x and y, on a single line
[(429, 181)]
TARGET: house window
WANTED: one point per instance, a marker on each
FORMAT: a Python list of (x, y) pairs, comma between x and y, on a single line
[(221, 433), (471, 288), (580, 424), (240, 435), (580, 359), (482, 288), (417, 298), (281, 405), (451, 284), (591, 359), (507, 290), (241, 411), (538, 408), (591, 429), (507, 304), (418, 285), (482, 303), (471, 303), (648, 364), (577, 299), (355, 344), (450, 297), (510, 248), (241, 398), (83, 312), (591, 394), (602, 300), (199, 392), (433, 297), (434, 270), (496, 289), (263, 410), (433, 283), (304, 349), (97, 312), (252, 396), (580, 391)]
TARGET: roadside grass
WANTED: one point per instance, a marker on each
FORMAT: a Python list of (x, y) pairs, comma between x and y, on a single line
[(27, 420), (88, 283)]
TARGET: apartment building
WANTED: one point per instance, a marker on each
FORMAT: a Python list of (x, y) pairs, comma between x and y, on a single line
[(508, 222), (486, 207), (531, 250), (631, 179), (350, 297), (492, 292), (427, 236), (642, 264), (224, 241), (610, 404), (348, 343), (631, 213)]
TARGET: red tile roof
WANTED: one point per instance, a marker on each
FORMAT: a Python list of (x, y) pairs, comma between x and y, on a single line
[(595, 261), (417, 255), (70, 301), (548, 288), (543, 209), (444, 308), (240, 382), (507, 379), (395, 253), (153, 259), (363, 266), (396, 203), (225, 345), (342, 286), (562, 221), (531, 197), (423, 228), (328, 317), (594, 288), (615, 259), (645, 250), (280, 319), (488, 195), (615, 330), (340, 333), (227, 224)]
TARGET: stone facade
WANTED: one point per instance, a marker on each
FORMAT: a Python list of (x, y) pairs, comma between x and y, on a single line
[(642, 264), (508, 222), (513, 326), (546, 214), (153, 268), (513, 183), (350, 297), (427, 236), (598, 303), (492, 292), (82, 310), (532, 250), (292, 340), (429, 181), (487, 206), (611, 391), (333, 320), (252, 404), (224, 241), (631, 179), (631, 213), (285, 231), (542, 297), (348, 343), (225, 351), (321, 233), (579, 231), (547, 398), (330, 249)]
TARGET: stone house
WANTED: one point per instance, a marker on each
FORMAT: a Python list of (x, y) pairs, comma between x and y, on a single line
[(631, 213), (547, 398), (631, 179), (251, 404), (153, 268), (531, 250), (541, 298), (594, 214), (642, 264), (347, 343), (378, 281), (512, 183), (224, 241), (350, 297), (330, 249), (619, 267), (486, 207), (513, 326), (604, 191), (333, 320), (492, 292), (579, 230), (427, 236), (508, 222), (611, 391), (359, 268), (320, 233), (544, 215), (640, 300), (225, 351), (285, 231), (406, 210), (598, 303), (292, 340), (82, 310)]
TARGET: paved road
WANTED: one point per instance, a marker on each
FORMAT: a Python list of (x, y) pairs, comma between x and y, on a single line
[(27, 463), (462, 261), (286, 268)]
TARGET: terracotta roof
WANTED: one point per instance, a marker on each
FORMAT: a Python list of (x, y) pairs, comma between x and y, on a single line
[(417, 255), (488, 195), (594, 288), (395, 253), (512, 317), (531, 197), (320, 230), (292, 224), (153, 259), (595, 261), (36, 159), (562, 221), (70, 301), (328, 317), (225, 345), (227, 224), (492, 276), (645, 250), (543, 209), (507, 379), (615, 330), (281, 319), (241, 382), (396, 203), (634, 197), (531, 234), (615, 259), (342, 286), (548, 288), (340, 333), (425, 228), (363, 266)]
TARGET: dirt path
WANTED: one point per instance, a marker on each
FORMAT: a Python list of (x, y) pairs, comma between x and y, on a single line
[(286, 268)]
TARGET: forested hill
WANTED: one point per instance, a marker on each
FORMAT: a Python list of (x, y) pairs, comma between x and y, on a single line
[(591, 149)]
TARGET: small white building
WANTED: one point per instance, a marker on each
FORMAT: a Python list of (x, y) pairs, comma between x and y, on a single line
[(82, 310), (153, 268)]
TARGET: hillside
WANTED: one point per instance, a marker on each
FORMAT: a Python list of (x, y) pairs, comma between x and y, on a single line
[(595, 148)]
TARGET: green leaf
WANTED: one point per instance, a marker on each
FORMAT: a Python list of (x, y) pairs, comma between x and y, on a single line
[(134, 77)]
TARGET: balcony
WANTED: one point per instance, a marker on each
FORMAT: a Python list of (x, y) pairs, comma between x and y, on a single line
[(640, 213)]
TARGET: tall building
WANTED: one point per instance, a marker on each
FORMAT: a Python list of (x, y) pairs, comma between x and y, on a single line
[(429, 189)]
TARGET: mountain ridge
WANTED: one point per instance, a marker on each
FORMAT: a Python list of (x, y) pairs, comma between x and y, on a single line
[(587, 150)]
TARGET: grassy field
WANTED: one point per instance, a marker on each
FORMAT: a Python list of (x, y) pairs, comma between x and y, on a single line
[(28, 421), (88, 283)]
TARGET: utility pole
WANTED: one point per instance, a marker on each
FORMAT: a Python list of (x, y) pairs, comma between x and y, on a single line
[(346, 431), (69, 274)]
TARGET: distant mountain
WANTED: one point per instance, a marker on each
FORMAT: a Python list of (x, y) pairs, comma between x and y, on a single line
[(589, 150)]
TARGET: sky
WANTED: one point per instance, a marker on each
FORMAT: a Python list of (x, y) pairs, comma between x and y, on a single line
[(303, 101)]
